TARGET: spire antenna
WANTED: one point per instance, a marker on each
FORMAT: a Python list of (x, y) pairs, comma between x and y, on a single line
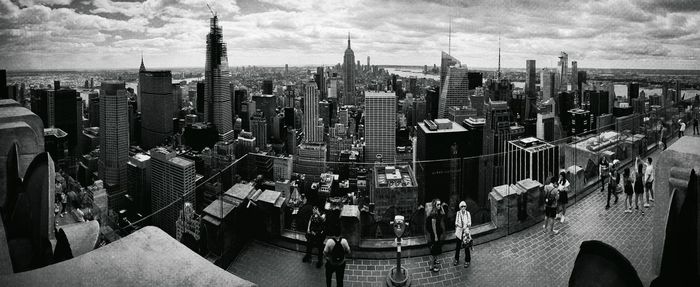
[(449, 37), (499, 56)]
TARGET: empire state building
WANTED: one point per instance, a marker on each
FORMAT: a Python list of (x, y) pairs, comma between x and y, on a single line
[(217, 98), (349, 76)]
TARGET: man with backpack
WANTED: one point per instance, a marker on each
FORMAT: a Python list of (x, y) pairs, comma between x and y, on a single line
[(335, 251), (551, 195), (315, 235)]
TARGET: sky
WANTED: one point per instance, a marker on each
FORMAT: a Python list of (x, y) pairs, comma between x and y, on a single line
[(105, 34)]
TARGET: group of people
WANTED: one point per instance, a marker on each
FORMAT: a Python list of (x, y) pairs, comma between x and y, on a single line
[(556, 197), (463, 223), (636, 185), (681, 130)]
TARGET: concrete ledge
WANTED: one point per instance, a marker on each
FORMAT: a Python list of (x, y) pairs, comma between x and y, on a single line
[(148, 257)]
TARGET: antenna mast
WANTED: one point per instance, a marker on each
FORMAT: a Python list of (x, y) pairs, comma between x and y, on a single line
[(210, 10), (449, 38)]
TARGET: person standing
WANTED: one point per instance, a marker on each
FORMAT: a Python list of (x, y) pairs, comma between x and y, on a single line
[(681, 131), (550, 205), (433, 224), (649, 182), (603, 171), (613, 183), (563, 186), (463, 220), (629, 191), (315, 235), (335, 252), (638, 184), (695, 126)]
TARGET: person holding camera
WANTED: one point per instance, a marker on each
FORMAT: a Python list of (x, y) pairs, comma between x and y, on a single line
[(463, 220), (315, 235)]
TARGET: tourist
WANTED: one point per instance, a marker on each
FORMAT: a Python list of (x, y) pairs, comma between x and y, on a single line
[(335, 251), (603, 171), (315, 236), (649, 182), (638, 184), (433, 224), (681, 131), (550, 205), (629, 191), (613, 183), (463, 220), (695, 126), (563, 186)]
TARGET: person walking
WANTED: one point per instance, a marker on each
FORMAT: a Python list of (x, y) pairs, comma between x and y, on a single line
[(629, 191), (638, 184), (433, 224), (463, 220), (613, 183), (649, 182), (550, 205), (335, 252), (315, 235), (681, 131), (563, 187), (695, 126), (603, 171)]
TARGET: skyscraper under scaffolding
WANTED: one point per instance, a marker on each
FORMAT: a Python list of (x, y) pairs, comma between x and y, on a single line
[(217, 98)]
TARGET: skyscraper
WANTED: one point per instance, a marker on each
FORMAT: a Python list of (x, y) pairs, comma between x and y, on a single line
[(547, 80), (368, 66), (574, 76), (172, 178), (258, 125), (157, 101), (310, 123), (349, 76), (530, 78), (454, 88), (139, 96), (446, 61), (562, 71), (114, 140), (380, 127), (3, 83), (139, 182), (217, 75)]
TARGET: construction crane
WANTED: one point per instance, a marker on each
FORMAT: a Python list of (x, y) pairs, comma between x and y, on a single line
[(210, 10)]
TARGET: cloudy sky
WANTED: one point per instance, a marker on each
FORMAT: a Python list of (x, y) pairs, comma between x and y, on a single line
[(78, 34)]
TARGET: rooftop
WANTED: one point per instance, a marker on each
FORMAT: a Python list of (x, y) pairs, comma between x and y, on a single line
[(440, 123)]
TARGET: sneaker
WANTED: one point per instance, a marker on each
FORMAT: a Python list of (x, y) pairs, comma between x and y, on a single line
[(555, 231), (466, 264), (562, 219), (607, 207), (646, 205), (455, 263), (652, 199), (628, 211), (435, 269), (544, 226)]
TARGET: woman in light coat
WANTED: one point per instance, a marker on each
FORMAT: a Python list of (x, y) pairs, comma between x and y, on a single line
[(463, 220)]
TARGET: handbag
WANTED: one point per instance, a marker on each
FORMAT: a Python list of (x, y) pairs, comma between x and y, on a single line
[(467, 242)]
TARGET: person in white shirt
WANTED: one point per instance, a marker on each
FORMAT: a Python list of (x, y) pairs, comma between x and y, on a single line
[(463, 220), (649, 182), (681, 132)]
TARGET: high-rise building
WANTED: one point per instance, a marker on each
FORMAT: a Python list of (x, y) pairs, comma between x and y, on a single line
[(441, 144), (320, 79), (217, 77), (114, 140), (531, 158), (139, 96), (310, 159), (94, 109), (394, 187), (530, 78), (267, 87), (349, 76), (475, 80), (473, 147), (60, 109), (172, 180), (139, 172), (547, 80), (282, 168), (311, 115), (258, 125), (562, 71), (574, 76), (632, 90), (368, 65), (454, 91), (157, 102), (446, 61), (267, 104), (498, 90), (497, 132), (3, 83), (380, 127), (432, 99)]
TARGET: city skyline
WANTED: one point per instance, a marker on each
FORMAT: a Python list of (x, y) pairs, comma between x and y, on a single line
[(102, 34)]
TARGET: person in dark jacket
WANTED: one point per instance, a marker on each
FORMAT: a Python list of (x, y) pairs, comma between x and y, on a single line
[(433, 223)]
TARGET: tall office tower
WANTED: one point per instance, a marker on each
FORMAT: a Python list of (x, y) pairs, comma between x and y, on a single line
[(138, 171), (531, 158), (114, 141), (497, 132), (530, 78), (172, 180), (632, 90), (258, 126), (473, 149), (3, 83), (349, 76), (380, 127), (333, 88), (139, 96), (60, 109), (598, 102), (432, 99), (324, 113), (200, 104), (454, 90), (574, 76), (498, 90), (239, 96), (310, 159), (157, 102), (581, 78), (547, 80), (311, 114), (320, 79), (217, 77), (94, 109), (286, 69), (267, 87), (446, 61), (439, 144), (562, 71), (267, 104), (581, 122), (475, 79)]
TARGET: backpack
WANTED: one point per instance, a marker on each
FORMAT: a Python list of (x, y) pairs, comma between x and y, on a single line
[(550, 198), (338, 252)]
